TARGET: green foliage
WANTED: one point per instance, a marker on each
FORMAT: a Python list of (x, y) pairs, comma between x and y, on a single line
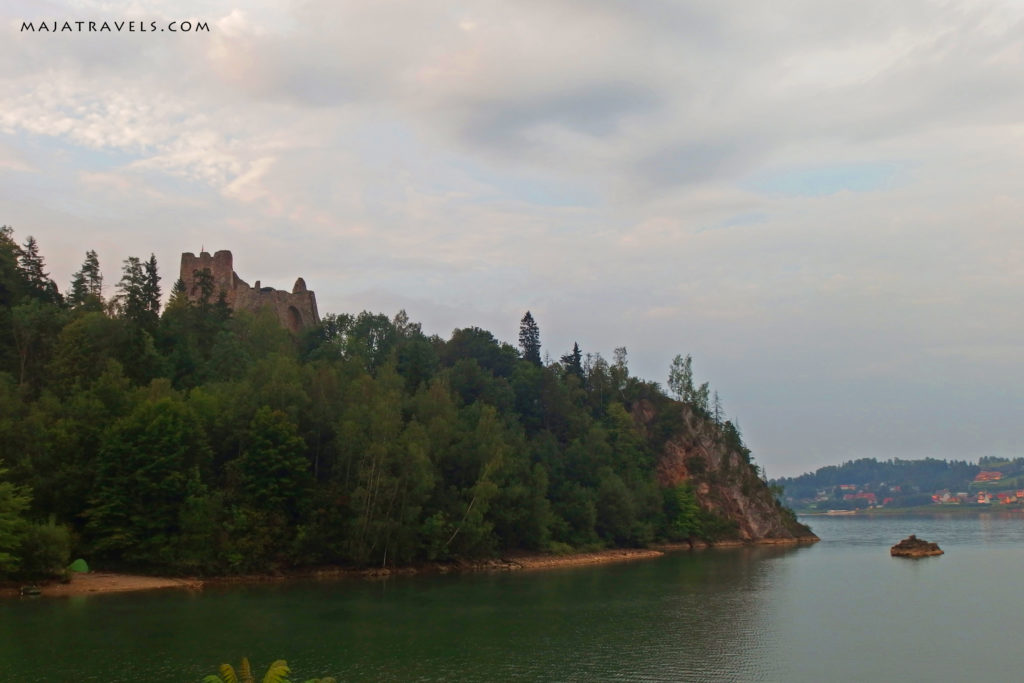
[(682, 513), (147, 467), (573, 361), (45, 550), (687, 520), (680, 377), (200, 440), (35, 325), (87, 285), (529, 339), (33, 271), (276, 673), (14, 501)]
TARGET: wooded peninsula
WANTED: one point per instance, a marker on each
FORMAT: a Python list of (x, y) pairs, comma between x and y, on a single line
[(194, 439)]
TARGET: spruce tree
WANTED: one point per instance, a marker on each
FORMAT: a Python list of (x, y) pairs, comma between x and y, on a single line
[(716, 409), (179, 296), (87, 284), (131, 291), (573, 361), (151, 291), (33, 271), (11, 282), (529, 339)]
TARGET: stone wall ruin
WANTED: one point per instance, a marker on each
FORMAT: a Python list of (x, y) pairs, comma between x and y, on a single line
[(296, 309)]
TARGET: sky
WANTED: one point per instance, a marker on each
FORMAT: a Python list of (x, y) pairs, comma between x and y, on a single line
[(821, 202)]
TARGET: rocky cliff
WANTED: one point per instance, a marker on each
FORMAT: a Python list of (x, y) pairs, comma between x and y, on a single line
[(710, 458)]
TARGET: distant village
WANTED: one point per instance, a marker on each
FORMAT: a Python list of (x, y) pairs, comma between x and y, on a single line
[(921, 483), (852, 493)]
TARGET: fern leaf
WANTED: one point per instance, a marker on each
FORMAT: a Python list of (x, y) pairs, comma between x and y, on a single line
[(277, 671), (213, 679), (245, 672), (227, 674)]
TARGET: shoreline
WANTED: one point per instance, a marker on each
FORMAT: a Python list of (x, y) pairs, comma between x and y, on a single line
[(965, 510), (102, 582)]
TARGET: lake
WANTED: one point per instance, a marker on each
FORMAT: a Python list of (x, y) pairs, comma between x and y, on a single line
[(842, 610)]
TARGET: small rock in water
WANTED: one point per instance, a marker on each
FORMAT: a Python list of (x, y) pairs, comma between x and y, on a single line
[(912, 546)]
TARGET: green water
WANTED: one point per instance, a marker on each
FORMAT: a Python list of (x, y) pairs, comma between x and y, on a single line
[(839, 610)]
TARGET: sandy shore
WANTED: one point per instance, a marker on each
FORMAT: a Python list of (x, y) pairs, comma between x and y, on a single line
[(109, 582), (580, 559)]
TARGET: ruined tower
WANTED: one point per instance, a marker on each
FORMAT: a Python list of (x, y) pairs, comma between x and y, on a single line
[(296, 309)]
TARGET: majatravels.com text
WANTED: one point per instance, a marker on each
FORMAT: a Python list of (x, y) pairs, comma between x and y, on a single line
[(114, 27)]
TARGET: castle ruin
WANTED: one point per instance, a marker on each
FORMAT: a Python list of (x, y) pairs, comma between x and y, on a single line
[(296, 309)]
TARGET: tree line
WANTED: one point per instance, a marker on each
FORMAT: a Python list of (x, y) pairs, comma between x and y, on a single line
[(195, 439)]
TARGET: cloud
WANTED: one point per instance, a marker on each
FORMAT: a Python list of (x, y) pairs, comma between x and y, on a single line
[(818, 200)]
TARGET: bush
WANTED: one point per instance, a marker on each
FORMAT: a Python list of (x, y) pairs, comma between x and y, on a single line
[(45, 550)]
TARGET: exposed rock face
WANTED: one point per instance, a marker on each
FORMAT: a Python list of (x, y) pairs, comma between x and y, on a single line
[(723, 480), (296, 309), (912, 546)]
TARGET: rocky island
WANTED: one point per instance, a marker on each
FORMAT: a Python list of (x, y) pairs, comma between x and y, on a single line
[(912, 546)]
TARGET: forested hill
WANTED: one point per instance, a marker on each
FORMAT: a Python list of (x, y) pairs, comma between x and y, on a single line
[(191, 439), (902, 483)]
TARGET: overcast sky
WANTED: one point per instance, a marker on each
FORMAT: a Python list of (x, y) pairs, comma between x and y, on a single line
[(822, 202)]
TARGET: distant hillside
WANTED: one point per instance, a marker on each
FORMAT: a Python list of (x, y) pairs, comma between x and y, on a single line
[(900, 483)]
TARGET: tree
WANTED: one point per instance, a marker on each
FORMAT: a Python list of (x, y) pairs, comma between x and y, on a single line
[(619, 371), (680, 377), (33, 270), (529, 339), (12, 282), (148, 466), (179, 296), (87, 284), (573, 361), (131, 298), (36, 326), (151, 291), (473, 343), (272, 472), (14, 500), (701, 398)]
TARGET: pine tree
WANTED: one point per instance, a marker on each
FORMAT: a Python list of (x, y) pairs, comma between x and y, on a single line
[(529, 339), (573, 361), (12, 285), (151, 291), (131, 299), (179, 296), (33, 270), (87, 284), (31, 264)]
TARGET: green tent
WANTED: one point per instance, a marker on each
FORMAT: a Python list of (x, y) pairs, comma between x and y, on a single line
[(78, 565)]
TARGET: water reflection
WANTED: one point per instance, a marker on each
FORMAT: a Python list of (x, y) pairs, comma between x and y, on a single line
[(697, 616), (839, 609)]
